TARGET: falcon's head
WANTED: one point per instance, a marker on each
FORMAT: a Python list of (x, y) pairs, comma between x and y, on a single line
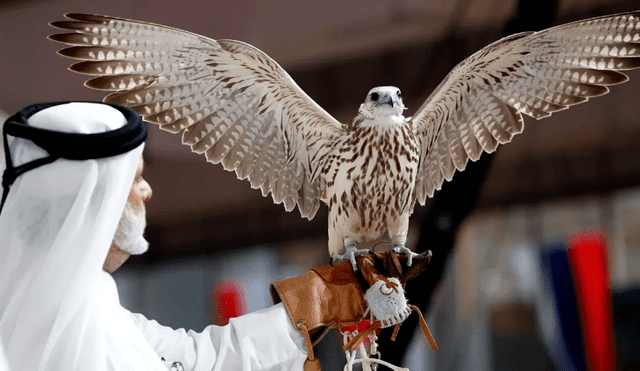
[(382, 101)]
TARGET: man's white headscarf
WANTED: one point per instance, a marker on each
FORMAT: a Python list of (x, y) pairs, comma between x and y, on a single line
[(59, 310)]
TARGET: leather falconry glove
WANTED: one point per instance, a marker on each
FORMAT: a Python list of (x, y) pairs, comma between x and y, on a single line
[(336, 296)]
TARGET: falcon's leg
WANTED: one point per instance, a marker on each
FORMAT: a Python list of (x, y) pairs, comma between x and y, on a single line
[(350, 253), (399, 248)]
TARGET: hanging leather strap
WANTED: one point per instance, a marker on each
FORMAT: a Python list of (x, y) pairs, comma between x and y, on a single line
[(425, 329), (396, 329), (355, 342), (311, 363)]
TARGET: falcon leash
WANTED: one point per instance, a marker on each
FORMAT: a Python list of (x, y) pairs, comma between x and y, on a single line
[(387, 306)]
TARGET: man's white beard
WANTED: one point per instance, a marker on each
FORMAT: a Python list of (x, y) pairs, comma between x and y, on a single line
[(129, 236)]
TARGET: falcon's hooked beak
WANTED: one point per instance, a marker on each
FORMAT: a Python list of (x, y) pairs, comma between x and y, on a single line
[(381, 98), (382, 101), (385, 99)]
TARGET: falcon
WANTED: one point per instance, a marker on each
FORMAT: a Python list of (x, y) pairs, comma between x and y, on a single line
[(238, 107)]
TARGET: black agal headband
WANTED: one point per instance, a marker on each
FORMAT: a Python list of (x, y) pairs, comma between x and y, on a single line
[(71, 146)]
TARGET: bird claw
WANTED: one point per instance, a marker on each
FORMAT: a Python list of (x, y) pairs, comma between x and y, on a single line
[(400, 249), (350, 254)]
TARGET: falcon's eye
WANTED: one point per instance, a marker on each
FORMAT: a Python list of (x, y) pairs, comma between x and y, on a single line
[(374, 96), (398, 93)]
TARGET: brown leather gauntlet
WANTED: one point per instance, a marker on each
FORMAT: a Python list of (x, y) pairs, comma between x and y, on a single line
[(324, 296), (321, 299), (333, 296)]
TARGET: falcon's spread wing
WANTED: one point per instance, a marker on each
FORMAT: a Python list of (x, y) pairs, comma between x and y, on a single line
[(235, 104), (479, 104)]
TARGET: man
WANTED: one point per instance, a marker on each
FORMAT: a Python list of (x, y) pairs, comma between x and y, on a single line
[(266, 338), (59, 307), (72, 211)]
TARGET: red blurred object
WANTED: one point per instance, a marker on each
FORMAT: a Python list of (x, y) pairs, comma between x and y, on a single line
[(588, 257), (362, 325), (228, 301)]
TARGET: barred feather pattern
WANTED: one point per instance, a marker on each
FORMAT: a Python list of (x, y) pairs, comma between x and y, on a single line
[(236, 106), (370, 183), (480, 103), (232, 102)]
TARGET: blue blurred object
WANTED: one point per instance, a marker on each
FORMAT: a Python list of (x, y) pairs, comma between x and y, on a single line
[(565, 341)]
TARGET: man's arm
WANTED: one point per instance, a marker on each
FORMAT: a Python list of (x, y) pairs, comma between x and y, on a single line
[(281, 337), (262, 340)]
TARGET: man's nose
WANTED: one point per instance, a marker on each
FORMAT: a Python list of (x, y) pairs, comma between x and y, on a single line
[(147, 192)]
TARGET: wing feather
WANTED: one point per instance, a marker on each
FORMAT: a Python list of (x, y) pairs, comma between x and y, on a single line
[(456, 148), (469, 140), (480, 103), (231, 101)]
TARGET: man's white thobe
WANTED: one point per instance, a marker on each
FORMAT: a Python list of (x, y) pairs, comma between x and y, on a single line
[(262, 340)]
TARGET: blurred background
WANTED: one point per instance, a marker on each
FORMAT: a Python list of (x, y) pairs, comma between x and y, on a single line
[(510, 287)]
